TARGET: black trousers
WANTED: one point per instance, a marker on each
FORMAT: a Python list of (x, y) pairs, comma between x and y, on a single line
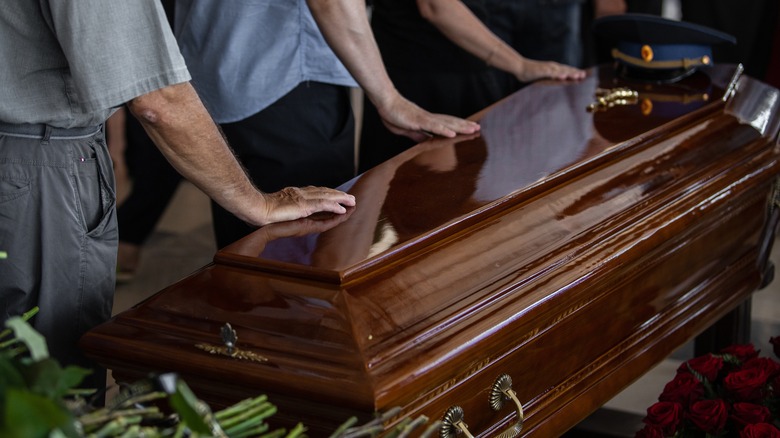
[(154, 184), (305, 138), (456, 93)]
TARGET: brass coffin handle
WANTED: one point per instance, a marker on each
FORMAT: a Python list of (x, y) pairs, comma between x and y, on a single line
[(452, 424), (502, 391)]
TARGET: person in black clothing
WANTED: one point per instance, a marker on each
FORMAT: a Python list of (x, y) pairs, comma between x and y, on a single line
[(753, 23), (595, 50), (154, 182), (458, 57)]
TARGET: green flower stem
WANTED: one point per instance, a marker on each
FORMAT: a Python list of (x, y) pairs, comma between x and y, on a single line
[(26, 316), (344, 426), (94, 419), (278, 433), (116, 426), (261, 412), (406, 430), (138, 399), (431, 430), (180, 430), (239, 407), (297, 431), (257, 431), (248, 423)]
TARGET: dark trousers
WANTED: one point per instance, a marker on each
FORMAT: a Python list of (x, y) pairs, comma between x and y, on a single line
[(305, 138), (154, 184), (58, 226), (456, 93), (539, 29)]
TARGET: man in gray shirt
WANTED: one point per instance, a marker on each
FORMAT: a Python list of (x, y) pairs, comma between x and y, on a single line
[(67, 65)]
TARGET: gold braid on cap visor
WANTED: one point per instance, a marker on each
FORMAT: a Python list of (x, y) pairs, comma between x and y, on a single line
[(685, 63)]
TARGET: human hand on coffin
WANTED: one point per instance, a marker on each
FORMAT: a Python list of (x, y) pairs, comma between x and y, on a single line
[(293, 203), (529, 70), (345, 26), (178, 123), (403, 117), (461, 26)]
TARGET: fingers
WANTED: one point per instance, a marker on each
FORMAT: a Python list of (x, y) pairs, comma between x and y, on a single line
[(448, 126), (402, 117), (565, 72), (422, 125), (313, 193), (533, 70), (296, 202)]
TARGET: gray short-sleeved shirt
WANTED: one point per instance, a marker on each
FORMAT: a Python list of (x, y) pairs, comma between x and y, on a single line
[(69, 63)]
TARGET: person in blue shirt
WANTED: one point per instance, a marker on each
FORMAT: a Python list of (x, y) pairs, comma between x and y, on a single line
[(69, 66), (277, 75)]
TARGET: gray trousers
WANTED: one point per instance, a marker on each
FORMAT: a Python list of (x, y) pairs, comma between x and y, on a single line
[(58, 228)]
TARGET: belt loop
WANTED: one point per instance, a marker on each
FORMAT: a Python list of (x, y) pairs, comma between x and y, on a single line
[(46, 135)]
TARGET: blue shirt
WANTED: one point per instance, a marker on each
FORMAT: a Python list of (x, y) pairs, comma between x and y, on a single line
[(245, 55)]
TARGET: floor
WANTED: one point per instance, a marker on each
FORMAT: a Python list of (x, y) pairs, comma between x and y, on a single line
[(183, 242)]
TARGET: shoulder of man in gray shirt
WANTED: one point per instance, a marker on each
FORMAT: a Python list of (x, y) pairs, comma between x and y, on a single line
[(70, 63)]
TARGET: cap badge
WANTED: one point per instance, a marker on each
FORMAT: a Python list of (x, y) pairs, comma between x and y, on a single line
[(647, 53)]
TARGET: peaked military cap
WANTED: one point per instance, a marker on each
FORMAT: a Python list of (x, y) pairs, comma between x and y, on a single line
[(656, 49)]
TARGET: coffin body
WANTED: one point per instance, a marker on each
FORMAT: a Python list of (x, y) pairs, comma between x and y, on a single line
[(568, 248)]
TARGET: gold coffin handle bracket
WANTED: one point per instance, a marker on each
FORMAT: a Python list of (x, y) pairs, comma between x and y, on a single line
[(501, 392), (453, 424)]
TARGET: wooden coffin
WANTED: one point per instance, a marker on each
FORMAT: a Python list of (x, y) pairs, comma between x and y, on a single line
[(570, 249)]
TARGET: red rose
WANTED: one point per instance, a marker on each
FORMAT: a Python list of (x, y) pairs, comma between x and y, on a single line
[(775, 345), (685, 388), (761, 430), (747, 384), (769, 366), (707, 365), (743, 352), (709, 415), (748, 413), (650, 432), (665, 416)]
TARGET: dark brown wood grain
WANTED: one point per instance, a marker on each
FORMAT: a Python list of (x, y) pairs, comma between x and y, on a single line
[(571, 250)]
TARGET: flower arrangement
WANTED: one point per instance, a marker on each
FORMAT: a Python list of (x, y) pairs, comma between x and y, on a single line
[(40, 398), (734, 393)]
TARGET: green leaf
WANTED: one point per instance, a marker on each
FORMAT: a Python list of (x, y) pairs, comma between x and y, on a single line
[(5, 333), (191, 410), (47, 378), (10, 375), (35, 342), (31, 415)]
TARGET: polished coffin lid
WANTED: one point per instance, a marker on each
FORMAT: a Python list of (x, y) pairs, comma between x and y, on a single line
[(462, 251)]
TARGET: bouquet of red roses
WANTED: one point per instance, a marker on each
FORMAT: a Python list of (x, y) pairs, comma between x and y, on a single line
[(734, 393)]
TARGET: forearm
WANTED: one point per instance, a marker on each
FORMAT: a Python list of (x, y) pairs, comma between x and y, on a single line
[(456, 21), (182, 129), (345, 26)]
